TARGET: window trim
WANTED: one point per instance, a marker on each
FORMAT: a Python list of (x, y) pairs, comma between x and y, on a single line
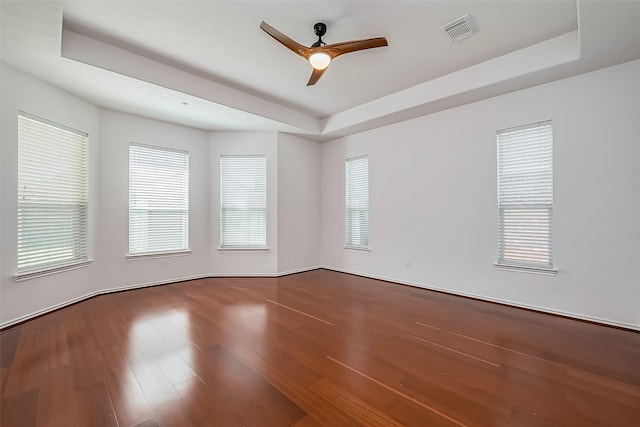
[(357, 248), (150, 255), (243, 249), (20, 277), (525, 269)]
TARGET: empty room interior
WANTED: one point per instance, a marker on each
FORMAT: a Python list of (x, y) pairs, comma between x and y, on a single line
[(320, 213)]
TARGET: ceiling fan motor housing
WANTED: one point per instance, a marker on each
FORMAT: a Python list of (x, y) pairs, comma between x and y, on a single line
[(320, 29)]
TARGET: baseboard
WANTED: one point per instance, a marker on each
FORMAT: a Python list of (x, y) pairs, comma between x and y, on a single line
[(299, 270), (277, 274), (84, 297), (30, 316), (149, 284), (545, 310), (139, 286), (223, 275)]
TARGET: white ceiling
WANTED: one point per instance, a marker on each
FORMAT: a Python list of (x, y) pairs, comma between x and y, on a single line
[(150, 58)]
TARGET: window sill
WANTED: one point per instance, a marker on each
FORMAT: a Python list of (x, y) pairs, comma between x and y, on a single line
[(148, 255), (19, 277), (523, 269), (244, 249), (357, 249)]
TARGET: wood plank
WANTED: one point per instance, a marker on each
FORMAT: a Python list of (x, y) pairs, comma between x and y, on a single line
[(20, 410), (359, 409), (8, 345)]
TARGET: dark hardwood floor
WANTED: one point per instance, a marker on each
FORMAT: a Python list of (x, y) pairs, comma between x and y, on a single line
[(313, 349)]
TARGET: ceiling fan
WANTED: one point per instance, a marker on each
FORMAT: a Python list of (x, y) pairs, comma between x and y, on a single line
[(321, 54)]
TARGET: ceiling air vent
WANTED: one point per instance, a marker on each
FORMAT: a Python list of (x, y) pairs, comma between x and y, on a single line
[(460, 28)]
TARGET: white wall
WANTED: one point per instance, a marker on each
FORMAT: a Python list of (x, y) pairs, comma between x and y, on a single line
[(298, 204), (21, 92), (243, 262), (117, 131), (433, 198)]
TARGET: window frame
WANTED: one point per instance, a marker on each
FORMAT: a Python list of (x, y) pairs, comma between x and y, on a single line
[(80, 246), (223, 243), (161, 252), (530, 220), (349, 209)]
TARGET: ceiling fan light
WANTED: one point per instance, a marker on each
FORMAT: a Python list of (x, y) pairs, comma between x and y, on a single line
[(320, 60)]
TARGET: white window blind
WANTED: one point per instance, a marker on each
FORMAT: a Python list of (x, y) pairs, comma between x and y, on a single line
[(357, 203), (52, 195), (158, 200), (525, 196), (243, 202)]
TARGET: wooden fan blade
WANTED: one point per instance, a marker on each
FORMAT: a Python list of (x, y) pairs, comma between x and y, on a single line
[(355, 45), (291, 44), (315, 76)]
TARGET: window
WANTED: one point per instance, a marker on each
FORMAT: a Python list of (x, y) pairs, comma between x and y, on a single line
[(158, 200), (357, 203), (243, 202), (525, 196), (52, 196)]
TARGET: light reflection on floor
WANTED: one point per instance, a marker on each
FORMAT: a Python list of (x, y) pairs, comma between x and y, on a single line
[(248, 321), (160, 355)]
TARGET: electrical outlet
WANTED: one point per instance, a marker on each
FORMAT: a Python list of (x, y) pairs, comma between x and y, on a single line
[(295, 255), (407, 263), (165, 262)]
